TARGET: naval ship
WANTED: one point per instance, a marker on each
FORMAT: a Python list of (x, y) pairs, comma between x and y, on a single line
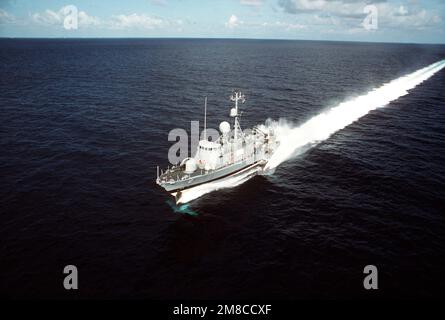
[(234, 154)]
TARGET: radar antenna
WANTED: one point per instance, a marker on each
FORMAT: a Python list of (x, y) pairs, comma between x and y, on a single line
[(236, 96)]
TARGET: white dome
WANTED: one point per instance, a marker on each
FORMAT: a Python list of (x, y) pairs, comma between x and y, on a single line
[(224, 127), (233, 112), (190, 165)]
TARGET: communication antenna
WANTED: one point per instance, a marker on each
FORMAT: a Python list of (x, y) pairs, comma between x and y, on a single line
[(236, 96)]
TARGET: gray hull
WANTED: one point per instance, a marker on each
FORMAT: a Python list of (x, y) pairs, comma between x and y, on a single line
[(202, 177)]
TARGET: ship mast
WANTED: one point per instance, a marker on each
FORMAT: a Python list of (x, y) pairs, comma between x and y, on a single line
[(234, 113)]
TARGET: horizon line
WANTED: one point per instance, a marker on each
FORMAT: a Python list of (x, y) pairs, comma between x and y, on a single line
[(219, 38)]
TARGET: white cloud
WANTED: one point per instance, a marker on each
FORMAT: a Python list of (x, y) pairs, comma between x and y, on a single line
[(284, 25), (120, 22), (117, 22), (233, 22), (136, 21), (293, 26), (301, 6), (407, 18), (255, 3), (87, 20), (48, 17), (55, 18), (347, 14), (159, 2), (403, 11), (6, 17)]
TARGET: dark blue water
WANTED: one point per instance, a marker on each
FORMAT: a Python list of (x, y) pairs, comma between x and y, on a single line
[(85, 122)]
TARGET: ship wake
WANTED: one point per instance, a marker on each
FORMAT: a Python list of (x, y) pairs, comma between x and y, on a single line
[(296, 140)]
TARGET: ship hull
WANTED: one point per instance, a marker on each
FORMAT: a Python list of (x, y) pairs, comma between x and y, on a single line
[(196, 180), (230, 179)]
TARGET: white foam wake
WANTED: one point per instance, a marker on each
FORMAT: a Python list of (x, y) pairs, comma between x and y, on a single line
[(196, 192), (294, 140)]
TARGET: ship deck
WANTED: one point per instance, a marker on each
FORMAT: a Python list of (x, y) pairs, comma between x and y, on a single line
[(178, 174)]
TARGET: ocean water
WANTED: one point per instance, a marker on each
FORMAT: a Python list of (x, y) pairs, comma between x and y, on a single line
[(84, 123)]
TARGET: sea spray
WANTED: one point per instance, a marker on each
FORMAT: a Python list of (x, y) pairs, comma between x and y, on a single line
[(295, 140), (182, 208)]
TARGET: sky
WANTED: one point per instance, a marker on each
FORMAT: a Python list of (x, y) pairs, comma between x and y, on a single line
[(412, 21)]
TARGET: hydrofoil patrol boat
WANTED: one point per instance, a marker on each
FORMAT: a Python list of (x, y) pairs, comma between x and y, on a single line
[(235, 156)]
